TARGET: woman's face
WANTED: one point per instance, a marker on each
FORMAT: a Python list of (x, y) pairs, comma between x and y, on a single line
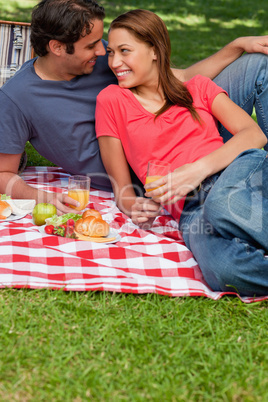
[(132, 61)]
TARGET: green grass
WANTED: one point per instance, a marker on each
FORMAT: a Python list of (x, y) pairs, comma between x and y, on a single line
[(102, 346)]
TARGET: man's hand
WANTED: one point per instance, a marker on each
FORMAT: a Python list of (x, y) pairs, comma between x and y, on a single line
[(62, 202), (15, 186)]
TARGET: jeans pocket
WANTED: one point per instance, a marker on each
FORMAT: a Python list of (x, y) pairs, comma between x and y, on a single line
[(209, 182)]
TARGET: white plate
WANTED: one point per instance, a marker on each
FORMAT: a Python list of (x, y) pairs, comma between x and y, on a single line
[(13, 218), (112, 233), (20, 207)]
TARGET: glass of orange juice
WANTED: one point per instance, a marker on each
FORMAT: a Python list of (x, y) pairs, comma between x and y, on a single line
[(78, 189), (156, 169)]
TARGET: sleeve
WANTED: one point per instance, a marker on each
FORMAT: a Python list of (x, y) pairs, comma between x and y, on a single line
[(106, 110), (14, 129), (209, 90)]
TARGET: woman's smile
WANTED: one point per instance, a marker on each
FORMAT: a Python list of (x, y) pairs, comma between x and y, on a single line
[(132, 61)]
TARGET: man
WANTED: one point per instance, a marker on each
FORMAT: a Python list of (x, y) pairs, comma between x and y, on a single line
[(51, 100)]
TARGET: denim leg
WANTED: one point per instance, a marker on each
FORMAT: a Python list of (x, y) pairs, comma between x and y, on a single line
[(228, 234), (237, 205), (246, 81), (231, 265)]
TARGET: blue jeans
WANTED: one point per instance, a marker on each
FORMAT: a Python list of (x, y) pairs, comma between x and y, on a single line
[(246, 81), (225, 225)]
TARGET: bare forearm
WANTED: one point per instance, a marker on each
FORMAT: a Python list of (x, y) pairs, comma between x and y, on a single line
[(13, 185), (189, 176), (213, 65), (222, 157), (125, 199), (141, 210), (246, 133)]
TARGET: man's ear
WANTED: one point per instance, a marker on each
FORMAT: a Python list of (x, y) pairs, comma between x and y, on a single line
[(56, 47)]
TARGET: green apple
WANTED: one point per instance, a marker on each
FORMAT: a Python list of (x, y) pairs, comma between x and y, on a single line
[(43, 211)]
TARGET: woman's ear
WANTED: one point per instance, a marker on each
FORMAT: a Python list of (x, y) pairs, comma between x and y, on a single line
[(154, 54)]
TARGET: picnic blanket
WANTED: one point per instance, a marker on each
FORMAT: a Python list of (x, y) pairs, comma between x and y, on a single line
[(152, 261)]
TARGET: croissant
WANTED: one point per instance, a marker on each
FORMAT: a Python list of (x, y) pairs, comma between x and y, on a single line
[(92, 212), (92, 226)]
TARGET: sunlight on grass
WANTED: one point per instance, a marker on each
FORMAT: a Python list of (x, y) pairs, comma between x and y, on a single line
[(236, 23), (16, 10)]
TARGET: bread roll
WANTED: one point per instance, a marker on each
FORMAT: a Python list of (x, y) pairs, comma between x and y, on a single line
[(92, 226), (5, 210), (91, 212)]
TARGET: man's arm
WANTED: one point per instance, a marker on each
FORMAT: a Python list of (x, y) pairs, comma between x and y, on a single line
[(13, 185), (213, 65)]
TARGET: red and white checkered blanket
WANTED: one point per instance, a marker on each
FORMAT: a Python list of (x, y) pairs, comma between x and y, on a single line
[(154, 261)]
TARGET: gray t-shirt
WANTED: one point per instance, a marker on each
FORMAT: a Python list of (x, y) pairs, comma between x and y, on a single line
[(57, 117)]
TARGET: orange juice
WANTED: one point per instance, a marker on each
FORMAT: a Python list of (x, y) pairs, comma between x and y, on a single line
[(79, 195), (150, 179)]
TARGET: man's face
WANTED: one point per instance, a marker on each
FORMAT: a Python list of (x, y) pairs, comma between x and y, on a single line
[(86, 51)]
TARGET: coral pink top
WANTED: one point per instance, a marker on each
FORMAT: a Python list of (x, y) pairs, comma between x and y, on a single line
[(172, 137)]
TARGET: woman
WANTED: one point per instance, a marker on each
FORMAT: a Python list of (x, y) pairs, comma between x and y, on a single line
[(153, 115)]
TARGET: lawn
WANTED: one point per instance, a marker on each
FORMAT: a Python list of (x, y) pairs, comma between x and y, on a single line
[(101, 346)]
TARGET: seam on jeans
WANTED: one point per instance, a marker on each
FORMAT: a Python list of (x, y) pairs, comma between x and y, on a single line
[(248, 98), (258, 88), (262, 115), (256, 168)]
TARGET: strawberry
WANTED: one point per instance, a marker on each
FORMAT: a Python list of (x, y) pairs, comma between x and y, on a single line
[(59, 230), (70, 230)]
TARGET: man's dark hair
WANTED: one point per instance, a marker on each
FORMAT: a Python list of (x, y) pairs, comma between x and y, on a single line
[(63, 20)]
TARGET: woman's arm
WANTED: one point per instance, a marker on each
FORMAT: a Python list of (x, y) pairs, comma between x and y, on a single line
[(139, 209), (247, 135), (213, 65)]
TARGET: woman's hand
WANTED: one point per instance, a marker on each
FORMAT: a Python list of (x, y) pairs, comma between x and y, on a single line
[(177, 184), (213, 65), (144, 211), (254, 44)]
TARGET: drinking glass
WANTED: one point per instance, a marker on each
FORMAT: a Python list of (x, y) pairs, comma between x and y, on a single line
[(78, 189), (156, 169)]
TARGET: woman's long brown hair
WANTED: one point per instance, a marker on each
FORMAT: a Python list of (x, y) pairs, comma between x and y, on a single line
[(147, 27)]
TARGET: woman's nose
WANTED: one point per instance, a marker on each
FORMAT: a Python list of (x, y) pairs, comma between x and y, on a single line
[(115, 61)]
